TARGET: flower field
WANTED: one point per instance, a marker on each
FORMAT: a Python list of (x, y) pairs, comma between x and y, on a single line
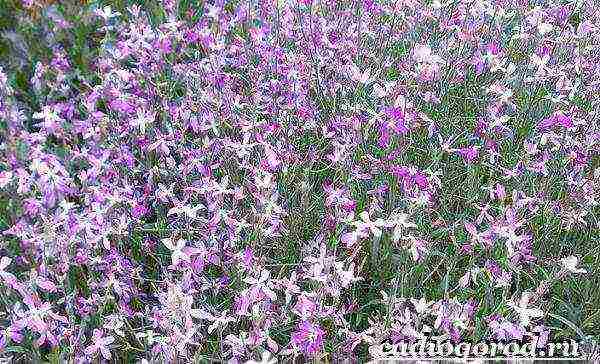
[(295, 180)]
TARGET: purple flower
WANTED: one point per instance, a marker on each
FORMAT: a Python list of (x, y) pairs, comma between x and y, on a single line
[(138, 210), (397, 115), (421, 180), (555, 120), (384, 135), (308, 338), (468, 153)]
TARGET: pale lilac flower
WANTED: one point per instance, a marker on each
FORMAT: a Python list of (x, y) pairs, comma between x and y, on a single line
[(423, 53), (50, 119), (100, 343), (263, 284), (177, 250), (357, 75), (367, 225), (5, 178)]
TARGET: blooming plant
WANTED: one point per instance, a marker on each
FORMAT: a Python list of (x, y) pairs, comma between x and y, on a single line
[(187, 180)]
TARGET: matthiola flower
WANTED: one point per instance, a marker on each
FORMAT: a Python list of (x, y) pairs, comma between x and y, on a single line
[(305, 307), (50, 118), (115, 324), (263, 284), (423, 53), (503, 329), (365, 224), (106, 13), (398, 119), (351, 238), (265, 358), (143, 120), (6, 276), (12, 333), (469, 276), (346, 276), (308, 338), (468, 153), (179, 251), (100, 343), (357, 75), (417, 247), (558, 119), (216, 321), (290, 286), (5, 178), (188, 211), (524, 311), (215, 128), (46, 284), (543, 335), (400, 223), (570, 264), (485, 239)]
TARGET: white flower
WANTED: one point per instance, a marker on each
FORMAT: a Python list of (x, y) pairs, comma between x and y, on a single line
[(189, 211), (4, 263), (525, 313), (544, 28), (421, 305), (176, 248), (106, 13), (570, 264), (400, 222), (144, 118), (367, 224)]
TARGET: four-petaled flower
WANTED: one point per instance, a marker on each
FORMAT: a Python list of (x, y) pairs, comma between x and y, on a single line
[(179, 252), (400, 222), (367, 225), (308, 338), (525, 313), (100, 343)]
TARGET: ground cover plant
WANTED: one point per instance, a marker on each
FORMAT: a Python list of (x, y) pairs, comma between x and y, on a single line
[(212, 181)]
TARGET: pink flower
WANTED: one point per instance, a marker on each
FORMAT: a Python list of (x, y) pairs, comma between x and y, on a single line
[(46, 284), (468, 153), (305, 307), (308, 338), (555, 120)]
